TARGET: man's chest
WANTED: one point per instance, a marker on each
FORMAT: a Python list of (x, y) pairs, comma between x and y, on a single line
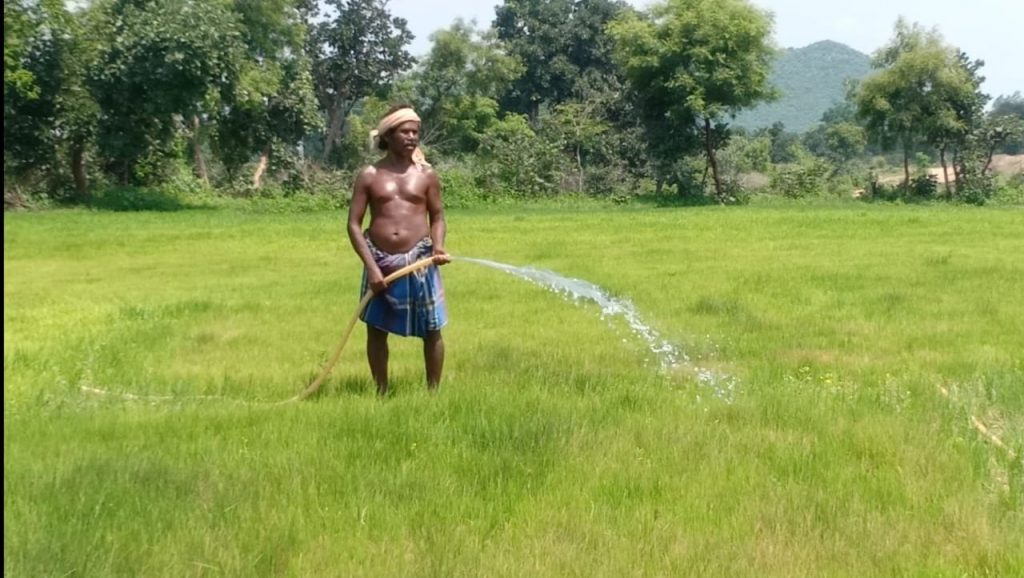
[(408, 189)]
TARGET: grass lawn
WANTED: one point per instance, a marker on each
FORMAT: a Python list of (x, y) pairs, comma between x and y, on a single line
[(556, 446)]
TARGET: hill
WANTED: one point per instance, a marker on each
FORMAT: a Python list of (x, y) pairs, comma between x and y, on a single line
[(810, 79)]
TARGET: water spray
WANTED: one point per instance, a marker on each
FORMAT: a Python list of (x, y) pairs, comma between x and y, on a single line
[(670, 356)]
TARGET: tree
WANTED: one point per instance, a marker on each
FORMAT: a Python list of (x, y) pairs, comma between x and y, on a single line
[(923, 91), (18, 29), (32, 82), (783, 142), (997, 132), (515, 160), (1008, 114), (169, 61), (562, 45), (692, 64), (956, 112), (48, 112), (578, 127), (273, 103), (1009, 105), (358, 52), (458, 84), (844, 142)]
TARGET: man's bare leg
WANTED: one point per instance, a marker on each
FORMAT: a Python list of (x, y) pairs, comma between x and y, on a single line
[(433, 355), (377, 354)]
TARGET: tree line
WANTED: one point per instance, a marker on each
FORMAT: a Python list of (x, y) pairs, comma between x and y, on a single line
[(552, 96)]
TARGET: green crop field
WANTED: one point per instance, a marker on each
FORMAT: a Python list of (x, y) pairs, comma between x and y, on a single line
[(557, 445)]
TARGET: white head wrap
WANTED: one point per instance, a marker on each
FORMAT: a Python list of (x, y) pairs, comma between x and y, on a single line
[(393, 120)]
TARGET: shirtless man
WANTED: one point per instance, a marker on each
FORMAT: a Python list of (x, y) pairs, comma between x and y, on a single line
[(406, 225)]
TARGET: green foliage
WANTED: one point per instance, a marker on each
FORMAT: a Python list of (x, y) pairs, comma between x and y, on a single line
[(1006, 122), (49, 129), (272, 105), (748, 153), (20, 27), (330, 183), (1009, 105), (784, 144), (466, 120), (806, 176), (923, 91), (578, 129), (460, 188), (562, 45), (32, 84), (357, 50), (458, 84), (924, 186), (744, 162), (1003, 132), (137, 199), (839, 143), (974, 185), (515, 161), (1011, 193), (266, 100), (691, 63), (354, 151), (173, 60)]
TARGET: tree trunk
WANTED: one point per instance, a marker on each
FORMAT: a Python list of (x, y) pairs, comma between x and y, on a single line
[(334, 123), (712, 159), (906, 169), (261, 167), (197, 152), (579, 165), (945, 173), (659, 183), (957, 169), (988, 161), (78, 171)]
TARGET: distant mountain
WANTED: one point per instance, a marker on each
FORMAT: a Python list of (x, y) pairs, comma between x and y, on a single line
[(810, 79)]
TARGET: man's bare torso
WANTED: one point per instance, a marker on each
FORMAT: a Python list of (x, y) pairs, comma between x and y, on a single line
[(398, 207)]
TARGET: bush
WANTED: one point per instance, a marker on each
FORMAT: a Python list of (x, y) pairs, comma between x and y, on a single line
[(1010, 194), (130, 199), (459, 186), (611, 180), (515, 162), (330, 184), (924, 186), (803, 178)]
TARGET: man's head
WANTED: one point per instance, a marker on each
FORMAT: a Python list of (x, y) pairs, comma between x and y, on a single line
[(399, 133), (399, 130)]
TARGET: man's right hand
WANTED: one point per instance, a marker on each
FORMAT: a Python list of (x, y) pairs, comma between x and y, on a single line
[(376, 281)]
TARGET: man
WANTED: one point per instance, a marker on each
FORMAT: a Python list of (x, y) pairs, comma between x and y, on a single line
[(403, 194)]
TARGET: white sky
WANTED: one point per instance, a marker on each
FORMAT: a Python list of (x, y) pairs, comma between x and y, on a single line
[(987, 29)]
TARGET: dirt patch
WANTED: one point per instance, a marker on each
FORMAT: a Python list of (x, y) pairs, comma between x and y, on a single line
[(1008, 164), (1001, 165)]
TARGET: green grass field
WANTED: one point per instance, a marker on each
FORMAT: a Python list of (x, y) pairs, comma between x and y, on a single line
[(556, 446)]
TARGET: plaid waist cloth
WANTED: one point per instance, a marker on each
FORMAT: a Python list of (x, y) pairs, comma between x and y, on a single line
[(411, 305)]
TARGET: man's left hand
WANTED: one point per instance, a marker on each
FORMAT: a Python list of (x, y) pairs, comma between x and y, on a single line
[(441, 257)]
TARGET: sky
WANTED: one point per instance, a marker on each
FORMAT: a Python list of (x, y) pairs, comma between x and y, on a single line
[(987, 29)]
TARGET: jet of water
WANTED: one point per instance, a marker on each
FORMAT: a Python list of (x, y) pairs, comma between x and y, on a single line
[(669, 355)]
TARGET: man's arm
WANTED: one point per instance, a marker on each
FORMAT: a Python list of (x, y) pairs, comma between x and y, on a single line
[(356, 212), (435, 211)]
